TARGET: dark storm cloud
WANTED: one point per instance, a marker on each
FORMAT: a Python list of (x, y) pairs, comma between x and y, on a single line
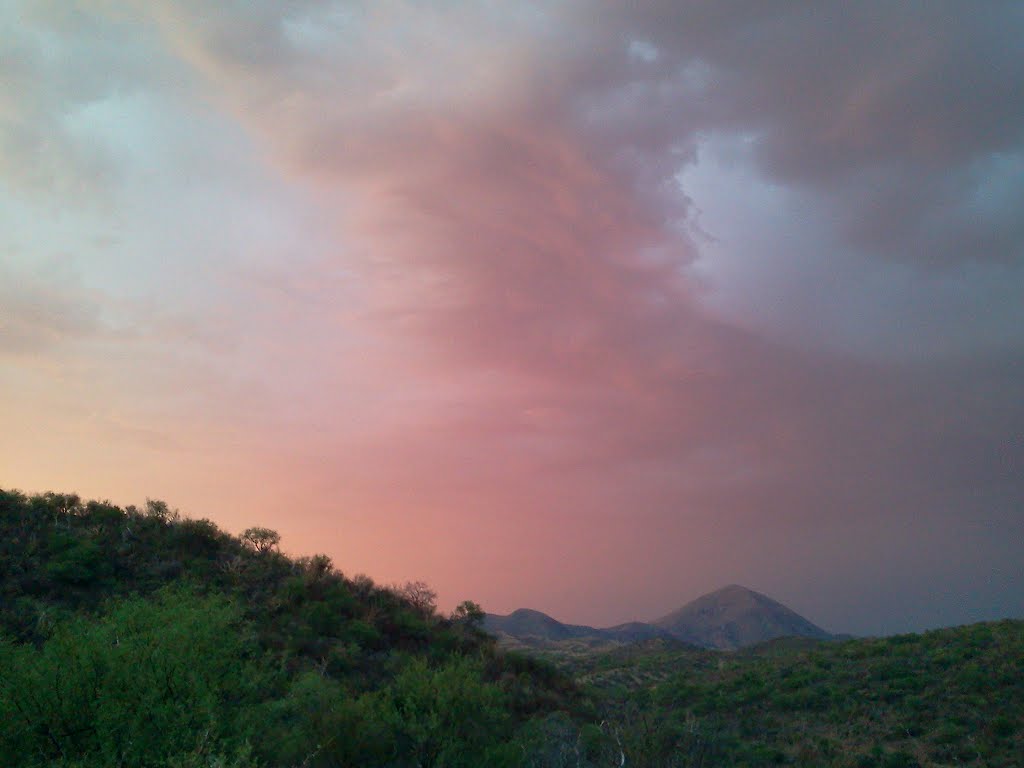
[(908, 118)]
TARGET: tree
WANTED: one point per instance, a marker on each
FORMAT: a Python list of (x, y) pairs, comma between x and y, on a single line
[(159, 510), (261, 539), (469, 614), (316, 568), (64, 504), (442, 716), (422, 597)]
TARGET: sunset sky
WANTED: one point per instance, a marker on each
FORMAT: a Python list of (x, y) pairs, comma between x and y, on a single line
[(589, 307)]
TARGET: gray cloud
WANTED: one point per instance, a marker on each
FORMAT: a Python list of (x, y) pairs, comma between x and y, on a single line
[(908, 120), (896, 132)]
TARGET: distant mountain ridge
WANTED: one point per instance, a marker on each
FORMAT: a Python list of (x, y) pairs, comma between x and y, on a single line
[(728, 618), (527, 625)]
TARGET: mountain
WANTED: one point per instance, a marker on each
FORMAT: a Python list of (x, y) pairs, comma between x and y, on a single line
[(527, 625), (734, 617)]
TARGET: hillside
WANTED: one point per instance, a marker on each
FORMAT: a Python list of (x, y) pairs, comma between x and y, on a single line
[(943, 698), (139, 637)]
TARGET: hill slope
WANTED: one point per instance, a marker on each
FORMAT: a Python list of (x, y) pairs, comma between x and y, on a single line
[(139, 637), (943, 698)]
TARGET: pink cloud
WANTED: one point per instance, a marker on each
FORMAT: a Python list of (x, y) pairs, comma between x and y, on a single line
[(500, 374)]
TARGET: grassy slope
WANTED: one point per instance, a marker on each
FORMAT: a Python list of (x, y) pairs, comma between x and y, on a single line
[(943, 698)]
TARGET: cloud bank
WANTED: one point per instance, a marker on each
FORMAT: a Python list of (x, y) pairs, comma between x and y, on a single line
[(588, 306)]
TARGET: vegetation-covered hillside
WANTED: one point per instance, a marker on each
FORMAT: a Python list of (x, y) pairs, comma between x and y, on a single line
[(951, 697), (139, 638)]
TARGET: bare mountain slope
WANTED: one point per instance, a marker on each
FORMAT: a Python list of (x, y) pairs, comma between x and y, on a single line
[(733, 617)]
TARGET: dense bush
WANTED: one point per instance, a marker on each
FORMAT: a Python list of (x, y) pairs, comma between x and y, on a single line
[(148, 682)]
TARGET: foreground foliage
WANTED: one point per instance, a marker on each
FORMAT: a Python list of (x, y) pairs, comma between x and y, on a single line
[(138, 638)]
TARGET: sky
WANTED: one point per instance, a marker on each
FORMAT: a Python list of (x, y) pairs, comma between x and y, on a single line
[(584, 306)]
